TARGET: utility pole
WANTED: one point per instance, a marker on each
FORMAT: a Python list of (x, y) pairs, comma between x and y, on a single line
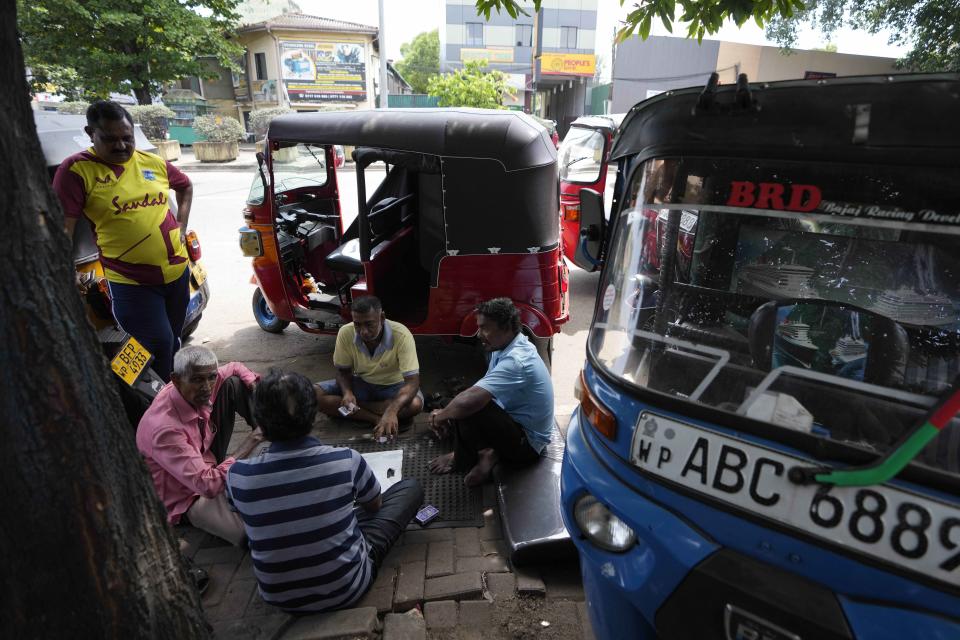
[(384, 91)]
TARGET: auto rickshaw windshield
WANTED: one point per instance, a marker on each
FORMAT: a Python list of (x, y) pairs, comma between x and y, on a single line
[(294, 167), (805, 296), (581, 155)]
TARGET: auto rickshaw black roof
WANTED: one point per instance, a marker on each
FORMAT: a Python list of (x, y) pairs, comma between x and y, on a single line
[(509, 137), (909, 119)]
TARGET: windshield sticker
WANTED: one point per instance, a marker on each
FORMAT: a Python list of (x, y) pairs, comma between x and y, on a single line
[(773, 195), (807, 198), (608, 297)]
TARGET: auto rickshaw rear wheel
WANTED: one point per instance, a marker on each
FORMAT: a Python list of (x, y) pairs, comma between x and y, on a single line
[(265, 317)]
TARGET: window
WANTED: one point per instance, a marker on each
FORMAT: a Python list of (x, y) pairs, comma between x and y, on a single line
[(524, 35), (261, 61), (580, 155), (854, 324), (568, 37), (474, 34)]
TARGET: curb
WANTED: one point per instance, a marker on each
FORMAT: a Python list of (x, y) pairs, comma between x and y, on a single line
[(238, 166)]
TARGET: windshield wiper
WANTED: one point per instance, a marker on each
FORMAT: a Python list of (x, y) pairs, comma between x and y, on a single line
[(576, 160), (899, 457)]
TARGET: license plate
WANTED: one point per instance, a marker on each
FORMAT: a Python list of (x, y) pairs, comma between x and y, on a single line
[(198, 272), (194, 305), (901, 527), (130, 361)]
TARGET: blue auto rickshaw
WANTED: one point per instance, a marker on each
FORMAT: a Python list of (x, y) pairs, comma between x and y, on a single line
[(767, 445)]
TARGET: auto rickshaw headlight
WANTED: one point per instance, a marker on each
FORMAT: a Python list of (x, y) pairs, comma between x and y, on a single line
[(601, 527), (250, 243)]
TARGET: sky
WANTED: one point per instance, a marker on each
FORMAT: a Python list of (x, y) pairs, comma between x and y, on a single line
[(407, 18)]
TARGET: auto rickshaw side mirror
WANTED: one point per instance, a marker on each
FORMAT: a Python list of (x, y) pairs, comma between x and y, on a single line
[(592, 231)]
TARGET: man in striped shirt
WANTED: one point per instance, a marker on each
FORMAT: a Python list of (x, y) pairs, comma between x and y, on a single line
[(317, 525)]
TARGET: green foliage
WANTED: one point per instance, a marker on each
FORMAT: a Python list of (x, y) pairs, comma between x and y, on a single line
[(152, 118), (260, 119), (218, 128), (52, 78), (930, 27), (123, 46), (421, 60), (470, 87), (73, 108)]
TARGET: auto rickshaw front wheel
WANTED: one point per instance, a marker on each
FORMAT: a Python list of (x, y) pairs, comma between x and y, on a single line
[(265, 317)]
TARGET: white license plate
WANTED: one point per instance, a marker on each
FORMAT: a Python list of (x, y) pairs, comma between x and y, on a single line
[(904, 528)]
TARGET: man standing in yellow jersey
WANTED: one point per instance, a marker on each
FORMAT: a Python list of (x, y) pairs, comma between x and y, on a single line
[(124, 193), (378, 375)]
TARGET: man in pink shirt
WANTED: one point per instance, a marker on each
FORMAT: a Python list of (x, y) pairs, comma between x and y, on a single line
[(184, 435)]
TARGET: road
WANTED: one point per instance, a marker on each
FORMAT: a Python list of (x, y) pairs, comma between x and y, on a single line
[(228, 325)]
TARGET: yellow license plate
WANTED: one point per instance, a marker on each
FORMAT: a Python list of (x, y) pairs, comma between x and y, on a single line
[(199, 273), (130, 361)]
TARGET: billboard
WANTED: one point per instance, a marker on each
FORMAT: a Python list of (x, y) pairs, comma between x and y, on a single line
[(490, 55), (568, 64), (324, 71)]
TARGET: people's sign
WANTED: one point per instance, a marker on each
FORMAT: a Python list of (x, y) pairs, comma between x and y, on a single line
[(568, 64), (323, 71)]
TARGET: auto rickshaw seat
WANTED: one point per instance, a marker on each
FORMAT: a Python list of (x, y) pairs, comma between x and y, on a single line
[(346, 258), (385, 224)]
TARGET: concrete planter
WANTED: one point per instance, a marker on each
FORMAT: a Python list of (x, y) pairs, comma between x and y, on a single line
[(167, 149), (216, 151), (287, 154)]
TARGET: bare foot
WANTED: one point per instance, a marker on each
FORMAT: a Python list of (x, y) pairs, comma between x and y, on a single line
[(442, 464), (481, 471)]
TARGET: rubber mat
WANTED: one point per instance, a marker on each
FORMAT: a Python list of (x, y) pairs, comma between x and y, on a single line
[(459, 506)]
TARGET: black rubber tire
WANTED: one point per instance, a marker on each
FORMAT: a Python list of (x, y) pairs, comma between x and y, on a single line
[(264, 316)]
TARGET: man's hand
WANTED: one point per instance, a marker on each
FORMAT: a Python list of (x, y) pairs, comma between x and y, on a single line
[(438, 424), (183, 234), (388, 426), (349, 401)]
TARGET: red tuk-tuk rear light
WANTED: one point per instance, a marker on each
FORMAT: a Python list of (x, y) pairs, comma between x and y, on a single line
[(193, 246), (248, 215), (571, 212), (594, 411)]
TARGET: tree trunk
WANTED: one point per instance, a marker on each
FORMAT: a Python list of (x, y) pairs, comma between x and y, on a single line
[(143, 95), (83, 542)]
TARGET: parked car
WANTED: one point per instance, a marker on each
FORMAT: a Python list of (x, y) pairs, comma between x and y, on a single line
[(551, 127)]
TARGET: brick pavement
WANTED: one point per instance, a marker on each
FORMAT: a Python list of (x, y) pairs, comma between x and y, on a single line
[(451, 575)]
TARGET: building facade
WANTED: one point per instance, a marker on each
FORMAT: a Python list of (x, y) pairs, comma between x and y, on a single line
[(306, 63), (548, 56), (643, 69)]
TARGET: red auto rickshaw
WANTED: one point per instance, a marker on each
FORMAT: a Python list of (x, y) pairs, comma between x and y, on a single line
[(467, 211), (583, 161)]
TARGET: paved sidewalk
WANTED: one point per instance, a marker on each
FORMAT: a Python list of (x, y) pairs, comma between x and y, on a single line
[(444, 583), (449, 583)]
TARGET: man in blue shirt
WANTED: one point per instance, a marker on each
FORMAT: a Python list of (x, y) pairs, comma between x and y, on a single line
[(508, 414), (317, 525)]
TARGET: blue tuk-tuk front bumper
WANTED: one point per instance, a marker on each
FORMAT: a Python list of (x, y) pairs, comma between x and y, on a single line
[(697, 572)]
